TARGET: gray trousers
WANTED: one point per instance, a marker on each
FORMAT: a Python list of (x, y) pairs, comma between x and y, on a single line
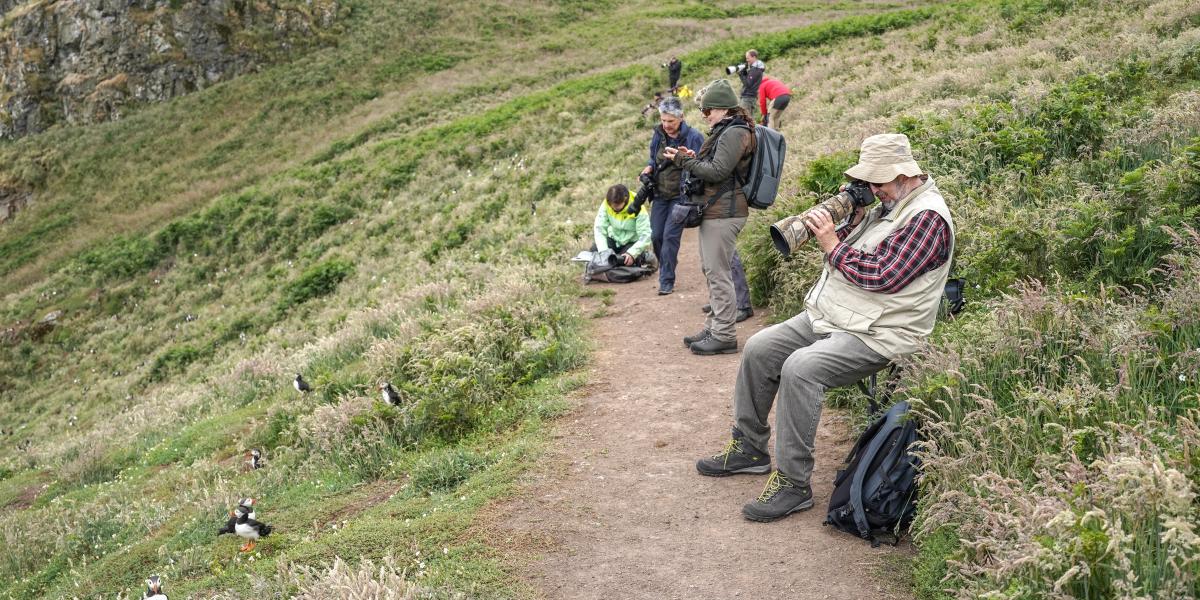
[(718, 241), (800, 365)]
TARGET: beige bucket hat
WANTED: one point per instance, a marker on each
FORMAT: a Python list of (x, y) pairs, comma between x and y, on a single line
[(884, 157)]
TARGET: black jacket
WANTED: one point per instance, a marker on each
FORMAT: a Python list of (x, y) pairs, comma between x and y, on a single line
[(751, 78)]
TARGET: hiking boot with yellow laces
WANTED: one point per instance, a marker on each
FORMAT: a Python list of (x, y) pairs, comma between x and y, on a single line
[(780, 498), (737, 457)]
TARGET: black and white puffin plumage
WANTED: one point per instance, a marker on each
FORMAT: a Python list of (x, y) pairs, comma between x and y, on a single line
[(390, 395), (246, 506), (301, 385), (250, 529), (154, 589), (254, 459)]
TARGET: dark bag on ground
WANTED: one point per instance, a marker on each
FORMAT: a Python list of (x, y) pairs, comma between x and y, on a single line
[(622, 274), (875, 493)]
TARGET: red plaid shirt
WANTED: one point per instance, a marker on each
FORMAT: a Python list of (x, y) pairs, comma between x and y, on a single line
[(909, 252)]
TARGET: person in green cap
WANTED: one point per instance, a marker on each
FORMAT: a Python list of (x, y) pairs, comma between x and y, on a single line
[(724, 157)]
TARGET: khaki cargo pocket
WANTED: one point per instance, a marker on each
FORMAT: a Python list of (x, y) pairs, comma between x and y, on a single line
[(849, 319)]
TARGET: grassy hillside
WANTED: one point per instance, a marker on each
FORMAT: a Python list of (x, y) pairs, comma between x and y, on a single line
[(361, 214), (365, 213)]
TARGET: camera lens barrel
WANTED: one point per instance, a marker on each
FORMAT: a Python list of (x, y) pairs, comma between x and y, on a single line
[(790, 233)]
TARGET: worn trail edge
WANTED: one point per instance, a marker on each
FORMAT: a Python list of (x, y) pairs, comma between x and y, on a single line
[(615, 509)]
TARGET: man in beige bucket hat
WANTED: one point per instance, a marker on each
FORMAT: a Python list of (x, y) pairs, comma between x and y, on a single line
[(884, 273)]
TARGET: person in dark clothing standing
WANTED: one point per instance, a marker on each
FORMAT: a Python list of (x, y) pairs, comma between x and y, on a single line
[(751, 77), (672, 132), (674, 68)]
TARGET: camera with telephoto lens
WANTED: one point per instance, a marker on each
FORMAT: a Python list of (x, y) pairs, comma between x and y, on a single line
[(644, 193), (791, 232), (731, 69)]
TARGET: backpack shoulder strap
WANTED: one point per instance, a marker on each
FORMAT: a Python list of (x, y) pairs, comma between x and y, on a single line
[(891, 420), (738, 178)]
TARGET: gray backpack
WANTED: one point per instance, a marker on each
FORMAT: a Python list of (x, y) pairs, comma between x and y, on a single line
[(766, 168)]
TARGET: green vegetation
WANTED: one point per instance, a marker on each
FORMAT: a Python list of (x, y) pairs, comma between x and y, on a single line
[(362, 215), (342, 228), (1060, 407)]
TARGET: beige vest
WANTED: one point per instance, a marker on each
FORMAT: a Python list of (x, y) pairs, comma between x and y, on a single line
[(891, 324)]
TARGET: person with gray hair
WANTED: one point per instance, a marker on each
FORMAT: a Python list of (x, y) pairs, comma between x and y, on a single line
[(672, 132), (876, 301)]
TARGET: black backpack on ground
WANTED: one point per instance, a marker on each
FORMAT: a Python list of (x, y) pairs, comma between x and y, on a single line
[(875, 494)]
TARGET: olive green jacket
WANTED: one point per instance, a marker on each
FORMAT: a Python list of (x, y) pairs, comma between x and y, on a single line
[(730, 146)]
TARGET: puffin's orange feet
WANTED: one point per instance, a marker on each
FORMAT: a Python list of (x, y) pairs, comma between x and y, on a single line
[(248, 547)]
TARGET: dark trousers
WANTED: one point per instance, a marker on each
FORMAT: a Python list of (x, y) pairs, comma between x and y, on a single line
[(740, 287), (665, 236)]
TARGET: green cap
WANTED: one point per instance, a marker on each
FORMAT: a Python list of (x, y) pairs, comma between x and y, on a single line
[(719, 94)]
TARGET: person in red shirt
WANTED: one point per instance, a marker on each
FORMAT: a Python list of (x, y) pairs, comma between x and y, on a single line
[(778, 94)]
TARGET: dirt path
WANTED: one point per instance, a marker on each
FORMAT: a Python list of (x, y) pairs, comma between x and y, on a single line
[(616, 509)]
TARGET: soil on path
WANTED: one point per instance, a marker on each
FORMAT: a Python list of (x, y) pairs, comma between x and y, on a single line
[(615, 509)]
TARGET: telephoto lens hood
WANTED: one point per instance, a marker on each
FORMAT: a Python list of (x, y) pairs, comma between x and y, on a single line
[(790, 233)]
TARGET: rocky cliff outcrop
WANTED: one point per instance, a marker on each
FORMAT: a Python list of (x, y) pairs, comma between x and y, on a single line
[(85, 61)]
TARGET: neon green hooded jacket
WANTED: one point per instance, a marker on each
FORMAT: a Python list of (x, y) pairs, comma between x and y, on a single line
[(622, 227)]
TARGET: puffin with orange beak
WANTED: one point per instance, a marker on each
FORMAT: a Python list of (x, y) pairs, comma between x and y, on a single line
[(153, 589), (242, 523)]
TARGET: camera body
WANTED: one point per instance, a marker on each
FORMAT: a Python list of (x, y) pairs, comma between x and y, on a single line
[(738, 68), (790, 233), (692, 186), (647, 181), (860, 193)]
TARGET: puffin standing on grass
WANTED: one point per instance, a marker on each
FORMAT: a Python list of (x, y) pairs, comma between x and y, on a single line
[(390, 395), (251, 530), (246, 526), (246, 506), (153, 589), (254, 459), (301, 385)]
